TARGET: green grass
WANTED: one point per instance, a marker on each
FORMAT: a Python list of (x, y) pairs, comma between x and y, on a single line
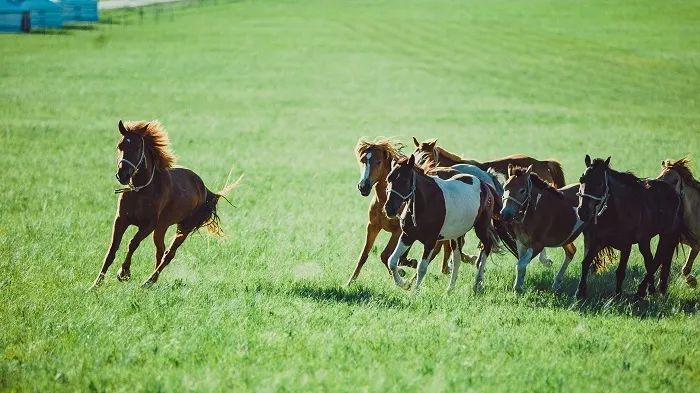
[(281, 91)]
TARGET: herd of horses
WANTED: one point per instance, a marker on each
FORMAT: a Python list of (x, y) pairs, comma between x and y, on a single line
[(435, 197), (523, 204)]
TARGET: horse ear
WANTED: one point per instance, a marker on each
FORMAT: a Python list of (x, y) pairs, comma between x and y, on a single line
[(122, 129), (412, 160), (587, 160), (432, 143), (510, 170), (607, 162), (415, 142), (529, 169)]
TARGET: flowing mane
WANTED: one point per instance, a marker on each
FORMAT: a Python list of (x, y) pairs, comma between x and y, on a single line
[(388, 145), (682, 167), (156, 138), (518, 171)]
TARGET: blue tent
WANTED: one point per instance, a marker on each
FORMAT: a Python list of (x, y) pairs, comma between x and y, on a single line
[(11, 16), (79, 10), (43, 14)]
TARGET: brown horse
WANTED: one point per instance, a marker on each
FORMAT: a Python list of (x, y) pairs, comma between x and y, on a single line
[(679, 175), (156, 196), (541, 216), (549, 170)]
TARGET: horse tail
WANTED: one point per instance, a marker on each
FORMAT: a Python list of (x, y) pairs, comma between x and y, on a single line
[(603, 259), (556, 173), (503, 232), (208, 210)]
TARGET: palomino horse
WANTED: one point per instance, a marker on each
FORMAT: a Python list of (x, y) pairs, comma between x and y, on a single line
[(541, 216), (156, 197), (549, 170), (439, 209), (679, 175), (619, 210)]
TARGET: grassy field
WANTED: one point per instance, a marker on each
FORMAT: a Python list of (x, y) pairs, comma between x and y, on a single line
[(281, 91)]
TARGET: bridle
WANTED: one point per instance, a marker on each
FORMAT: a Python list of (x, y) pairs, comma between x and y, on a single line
[(602, 204), (410, 197), (524, 204), (142, 160)]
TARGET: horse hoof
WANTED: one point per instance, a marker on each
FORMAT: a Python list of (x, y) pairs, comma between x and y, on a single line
[(691, 280), (478, 287), (148, 283), (123, 275), (547, 262), (518, 290), (556, 287)]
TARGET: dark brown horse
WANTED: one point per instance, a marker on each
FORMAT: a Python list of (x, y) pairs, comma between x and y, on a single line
[(679, 175), (620, 210), (439, 210), (156, 196), (541, 216), (549, 170)]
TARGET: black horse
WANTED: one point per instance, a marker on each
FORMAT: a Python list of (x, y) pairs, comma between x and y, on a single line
[(620, 210)]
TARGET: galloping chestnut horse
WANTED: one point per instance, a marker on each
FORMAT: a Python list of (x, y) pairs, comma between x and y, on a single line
[(679, 175), (549, 170), (541, 216), (620, 210), (439, 210), (156, 196)]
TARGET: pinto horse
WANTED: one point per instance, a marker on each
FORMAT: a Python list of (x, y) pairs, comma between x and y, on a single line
[(620, 210), (679, 175), (436, 210), (156, 196), (541, 216), (549, 170)]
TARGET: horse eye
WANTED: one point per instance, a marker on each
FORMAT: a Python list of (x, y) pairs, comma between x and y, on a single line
[(522, 191)]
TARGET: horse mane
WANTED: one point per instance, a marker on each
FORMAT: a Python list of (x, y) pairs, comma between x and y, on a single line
[(387, 145), (155, 136), (518, 171), (683, 168), (449, 155), (426, 168), (627, 178)]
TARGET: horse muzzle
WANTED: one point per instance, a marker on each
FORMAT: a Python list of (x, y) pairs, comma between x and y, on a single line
[(123, 176), (364, 187)]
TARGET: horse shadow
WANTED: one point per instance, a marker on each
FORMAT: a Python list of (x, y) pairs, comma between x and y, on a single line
[(602, 299), (355, 295)]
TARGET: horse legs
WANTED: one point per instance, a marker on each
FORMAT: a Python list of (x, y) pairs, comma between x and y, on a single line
[(525, 255), (590, 251), (125, 270), (371, 236), (569, 251), (167, 257), (446, 254), (646, 284), (456, 261), (401, 247), (622, 268), (429, 250), (544, 258), (118, 229), (688, 267), (664, 257)]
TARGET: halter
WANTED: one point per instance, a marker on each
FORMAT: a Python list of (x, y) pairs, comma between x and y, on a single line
[(524, 204), (410, 196), (602, 204), (142, 160)]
